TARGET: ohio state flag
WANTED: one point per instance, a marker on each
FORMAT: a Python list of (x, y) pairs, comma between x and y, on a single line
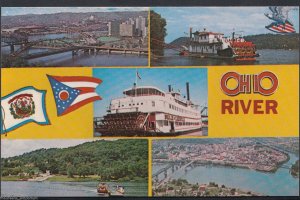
[(21, 107), (72, 92)]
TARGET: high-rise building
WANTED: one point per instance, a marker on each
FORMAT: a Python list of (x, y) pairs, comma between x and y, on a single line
[(131, 21), (140, 24), (145, 32), (126, 30), (114, 28)]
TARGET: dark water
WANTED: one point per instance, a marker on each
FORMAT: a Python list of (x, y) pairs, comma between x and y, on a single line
[(267, 56), (280, 183), (59, 189), (85, 59)]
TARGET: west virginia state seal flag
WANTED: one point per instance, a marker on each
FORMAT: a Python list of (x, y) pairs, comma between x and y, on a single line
[(21, 107), (72, 92)]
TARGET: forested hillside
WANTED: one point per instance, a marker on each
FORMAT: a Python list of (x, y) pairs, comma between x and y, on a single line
[(274, 41), (110, 160)]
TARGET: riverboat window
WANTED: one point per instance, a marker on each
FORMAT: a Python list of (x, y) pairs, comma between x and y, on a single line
[(166, 123), (153, 103), (143, 92), (137, 104), (141, 103), (129, 104), (170, 106)]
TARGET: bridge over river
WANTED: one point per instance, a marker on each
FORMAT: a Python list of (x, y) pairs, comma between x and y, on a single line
[(176, 166), (86, 44)]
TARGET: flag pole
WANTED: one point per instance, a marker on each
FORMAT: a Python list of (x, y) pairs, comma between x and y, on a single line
[(136, 73), (2, 119)]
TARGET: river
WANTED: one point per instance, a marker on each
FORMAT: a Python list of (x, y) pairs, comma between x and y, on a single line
[(280, 183), (63, 189), (267, 56)]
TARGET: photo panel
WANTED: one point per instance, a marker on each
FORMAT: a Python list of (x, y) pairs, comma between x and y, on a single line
[(74, 168), (226, 167), (220, 36), (74, 36)]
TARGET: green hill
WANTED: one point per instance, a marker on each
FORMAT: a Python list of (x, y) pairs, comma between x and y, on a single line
[(110, 160), (180, 41), (274, 41)]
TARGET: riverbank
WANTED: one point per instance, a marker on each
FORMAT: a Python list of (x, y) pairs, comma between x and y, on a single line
[(182, 187), (65, 178)]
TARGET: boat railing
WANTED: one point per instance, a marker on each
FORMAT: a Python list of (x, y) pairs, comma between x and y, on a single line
[(132, 109), (98, 121)]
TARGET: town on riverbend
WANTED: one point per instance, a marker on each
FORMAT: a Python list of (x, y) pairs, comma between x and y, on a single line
[(173, 161)]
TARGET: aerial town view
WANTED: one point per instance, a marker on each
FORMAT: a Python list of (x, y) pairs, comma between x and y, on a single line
[(205, 36), (226, 167), (151, 102), (74, 36)]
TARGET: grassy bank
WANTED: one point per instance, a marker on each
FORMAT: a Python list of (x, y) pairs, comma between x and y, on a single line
[(65, 178), (10, 178)]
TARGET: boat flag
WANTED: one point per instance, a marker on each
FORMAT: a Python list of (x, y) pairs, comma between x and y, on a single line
[(281, 28), (73, 92), (21, 107), (138, 75)]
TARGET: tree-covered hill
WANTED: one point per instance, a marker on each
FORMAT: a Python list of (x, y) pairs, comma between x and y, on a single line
[(110, 160), (274, 41), (180, 41)]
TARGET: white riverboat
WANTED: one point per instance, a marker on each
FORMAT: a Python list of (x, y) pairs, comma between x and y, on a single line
[(147, 110)]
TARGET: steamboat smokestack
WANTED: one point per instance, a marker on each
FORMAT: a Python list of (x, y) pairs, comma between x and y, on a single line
[(169, 88), (188, 91), (191, 32)]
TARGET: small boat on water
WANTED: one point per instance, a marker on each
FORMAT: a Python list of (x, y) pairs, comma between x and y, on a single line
[(119, 191), (103, 190)]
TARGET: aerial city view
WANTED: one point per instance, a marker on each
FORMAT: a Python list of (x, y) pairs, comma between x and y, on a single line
[(43, 168), (226, 167), (74, 36), (204, 36), (151, 102)]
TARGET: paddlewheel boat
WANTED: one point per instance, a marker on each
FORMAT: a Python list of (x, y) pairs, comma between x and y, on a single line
[(149, 111)]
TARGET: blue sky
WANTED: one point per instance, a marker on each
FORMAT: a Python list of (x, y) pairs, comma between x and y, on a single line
[(6, 11), (115, 81), (250, 20)]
